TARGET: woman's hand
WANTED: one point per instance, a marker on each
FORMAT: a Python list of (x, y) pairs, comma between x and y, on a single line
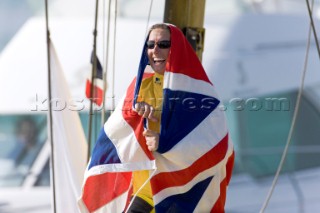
[(145, 110), (152, 139)]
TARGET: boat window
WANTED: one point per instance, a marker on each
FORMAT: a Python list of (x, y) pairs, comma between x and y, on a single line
[(260, 126), (44, 176), (21, 139)]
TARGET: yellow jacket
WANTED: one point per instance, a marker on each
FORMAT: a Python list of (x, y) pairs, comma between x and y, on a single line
[(150, 93)]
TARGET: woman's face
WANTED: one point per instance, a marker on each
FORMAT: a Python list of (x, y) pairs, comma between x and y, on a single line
[(158, 56)]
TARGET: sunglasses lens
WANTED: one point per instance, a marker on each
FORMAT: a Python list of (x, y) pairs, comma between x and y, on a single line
[(161, 44), (164, 44), (150, 44)]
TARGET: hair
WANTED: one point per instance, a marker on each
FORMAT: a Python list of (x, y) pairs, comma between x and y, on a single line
[(159, 26)]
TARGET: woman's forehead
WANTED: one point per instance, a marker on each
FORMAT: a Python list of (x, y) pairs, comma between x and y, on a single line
[(159, 33)]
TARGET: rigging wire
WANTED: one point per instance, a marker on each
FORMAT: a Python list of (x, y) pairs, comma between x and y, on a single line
[(149, 14), (114, 46), (103, 62), (295, 114), (135, 195), (105, 59), (93, 75), (50, 109), (114, 53), (312, 24)]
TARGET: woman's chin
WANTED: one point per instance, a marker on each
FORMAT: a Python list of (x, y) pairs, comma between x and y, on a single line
[(159, 69)]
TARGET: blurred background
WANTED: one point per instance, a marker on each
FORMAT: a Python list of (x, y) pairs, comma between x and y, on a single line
[(254, 53)]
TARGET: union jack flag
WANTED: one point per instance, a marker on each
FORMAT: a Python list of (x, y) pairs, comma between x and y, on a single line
[(192, 167)]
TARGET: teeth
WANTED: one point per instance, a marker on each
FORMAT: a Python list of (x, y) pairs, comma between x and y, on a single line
[(158, 60)]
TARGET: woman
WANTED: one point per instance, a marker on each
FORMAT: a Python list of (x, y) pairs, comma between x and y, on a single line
[(149, 106), (175, 140)]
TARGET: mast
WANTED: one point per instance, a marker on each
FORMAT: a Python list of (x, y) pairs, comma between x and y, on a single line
[(188, 15)]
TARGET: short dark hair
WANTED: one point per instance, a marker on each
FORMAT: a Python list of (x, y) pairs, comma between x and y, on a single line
[(159, 26)]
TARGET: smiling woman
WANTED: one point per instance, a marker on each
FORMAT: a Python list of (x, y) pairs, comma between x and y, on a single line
[(158, 47), (159, 146), (149, 106)]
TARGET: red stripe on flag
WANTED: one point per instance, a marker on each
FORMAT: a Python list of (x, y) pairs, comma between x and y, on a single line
[(178, 178), (97, 93), (135, 120), (220, 203), (229, 167), (102, 189)]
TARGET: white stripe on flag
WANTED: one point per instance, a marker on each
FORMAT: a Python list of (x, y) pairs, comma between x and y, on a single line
[(211, 196), (120, 167), (213, 171), (117, 205), (178, 82), (124, 138), (216, 118)]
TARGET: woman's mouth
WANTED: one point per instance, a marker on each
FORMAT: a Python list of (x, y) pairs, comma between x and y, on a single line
[(158, 61)]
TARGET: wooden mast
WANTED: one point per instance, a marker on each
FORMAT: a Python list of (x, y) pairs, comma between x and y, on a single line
[(188, 15)]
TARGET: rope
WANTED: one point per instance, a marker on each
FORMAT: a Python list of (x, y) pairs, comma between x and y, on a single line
[(50, 109), (284, 154)]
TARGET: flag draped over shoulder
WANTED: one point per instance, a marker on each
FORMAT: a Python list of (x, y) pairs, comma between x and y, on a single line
[(70, 146), (193, 164), (98, 83)]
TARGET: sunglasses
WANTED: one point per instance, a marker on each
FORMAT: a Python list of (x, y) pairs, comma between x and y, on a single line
[(165, 44)]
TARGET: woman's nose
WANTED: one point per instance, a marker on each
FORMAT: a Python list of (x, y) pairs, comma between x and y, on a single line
[(156, 48)]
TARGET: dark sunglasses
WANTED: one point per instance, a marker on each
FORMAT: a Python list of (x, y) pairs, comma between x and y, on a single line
[(161, 44)]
